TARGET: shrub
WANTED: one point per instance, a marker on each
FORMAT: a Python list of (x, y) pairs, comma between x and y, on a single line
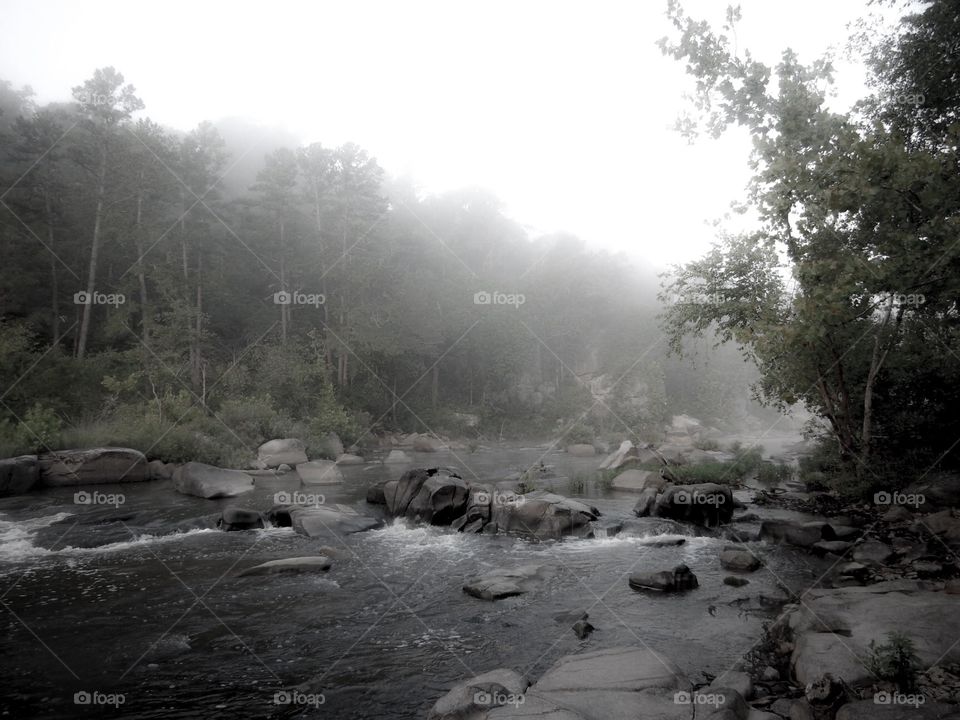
[(895, 661)]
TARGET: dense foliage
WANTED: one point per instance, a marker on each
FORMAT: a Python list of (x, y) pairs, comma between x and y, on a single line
[(846, 297), (159, 291)]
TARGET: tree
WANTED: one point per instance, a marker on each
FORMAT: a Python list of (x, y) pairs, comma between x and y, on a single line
[(106, 105), (862, 213)]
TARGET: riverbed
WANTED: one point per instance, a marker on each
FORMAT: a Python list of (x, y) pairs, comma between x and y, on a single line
[(140, 601)]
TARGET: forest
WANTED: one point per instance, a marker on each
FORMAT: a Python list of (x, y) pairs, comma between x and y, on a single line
[(175, 293)]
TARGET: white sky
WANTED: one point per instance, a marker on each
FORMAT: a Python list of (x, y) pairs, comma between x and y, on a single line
[(563, 109)]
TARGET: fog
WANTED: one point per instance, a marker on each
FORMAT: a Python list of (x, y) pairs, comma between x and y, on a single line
[(470, 361)]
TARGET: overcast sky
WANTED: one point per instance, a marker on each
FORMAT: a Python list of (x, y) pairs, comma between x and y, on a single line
[(563, 109)]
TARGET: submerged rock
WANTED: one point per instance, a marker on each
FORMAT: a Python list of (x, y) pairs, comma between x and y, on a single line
[(739, 559), (316, 563), (500, 584), (668, 581)]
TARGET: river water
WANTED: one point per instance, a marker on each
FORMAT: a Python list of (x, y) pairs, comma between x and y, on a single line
[(140, 603)]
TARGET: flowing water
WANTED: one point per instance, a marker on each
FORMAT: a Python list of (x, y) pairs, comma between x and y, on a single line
[(140, 602)]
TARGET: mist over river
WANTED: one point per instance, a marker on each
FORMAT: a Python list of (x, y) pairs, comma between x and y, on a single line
[(142, 600)]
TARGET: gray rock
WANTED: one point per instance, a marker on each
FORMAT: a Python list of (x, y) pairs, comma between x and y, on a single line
[(668, 581), (735, 581), (159, 470), (738, 559), (739, 681), (323, 521), (233, 518), (896, 514), (500, 584), (376, 493), (317, 563), (707, 504), (543, 515), (873, 710), (319, 472), (621, 683), (471, 698), (834, 628), (19, 475), (69, 468), (349, 459), (581, 450), (274, 453), (872, 552), (728, 702), (771, 674), (803, 535), (210, 482), (582, 628)]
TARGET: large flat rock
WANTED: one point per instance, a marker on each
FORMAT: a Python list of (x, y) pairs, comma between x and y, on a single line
[(621, 683), (499, 584), (92, 466), (834, 628), (207, 481)]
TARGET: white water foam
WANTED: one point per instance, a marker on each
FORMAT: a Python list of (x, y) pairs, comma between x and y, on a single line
[(405, 539), (16, 540)]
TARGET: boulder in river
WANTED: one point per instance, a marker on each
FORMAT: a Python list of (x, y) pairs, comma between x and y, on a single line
[(668, 581), (233, 518), (499, 584), (805, 535), (275, 453), (739, 559), (319, 472), (68, 468), (470, 698), (18, 475), (207, 481), (349, 459), (543, 515), (321, 521), (706, 504), (314, 563)]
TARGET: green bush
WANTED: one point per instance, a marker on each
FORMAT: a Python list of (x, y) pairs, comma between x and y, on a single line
[(895, 661)]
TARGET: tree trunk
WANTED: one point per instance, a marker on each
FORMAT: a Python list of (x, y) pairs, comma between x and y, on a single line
[(284, 307), (94, 251), (54, 284), (141, 275)]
